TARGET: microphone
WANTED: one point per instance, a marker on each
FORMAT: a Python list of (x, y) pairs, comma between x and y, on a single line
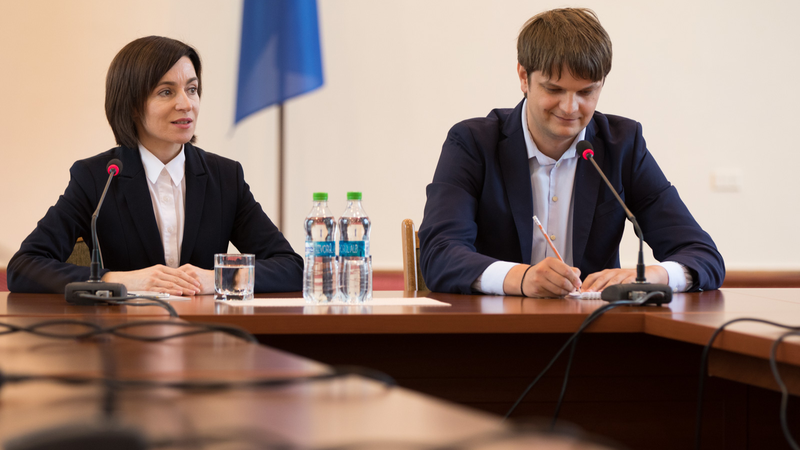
[(639, 288), (95, 286)]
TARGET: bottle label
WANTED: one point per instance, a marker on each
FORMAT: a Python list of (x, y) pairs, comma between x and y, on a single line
[(352, 248), (325, 248)]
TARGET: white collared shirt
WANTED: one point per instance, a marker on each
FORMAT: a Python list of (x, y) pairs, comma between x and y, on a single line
[(552, 184), (167, 186)]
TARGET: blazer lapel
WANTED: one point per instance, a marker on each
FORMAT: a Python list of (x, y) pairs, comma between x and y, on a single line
[(133, 183), (587, 187), (196, 178), (513, 158)]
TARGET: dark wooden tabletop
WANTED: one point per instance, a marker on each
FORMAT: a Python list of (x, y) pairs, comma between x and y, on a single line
[(354, 409), (690, 317), (349, 410)]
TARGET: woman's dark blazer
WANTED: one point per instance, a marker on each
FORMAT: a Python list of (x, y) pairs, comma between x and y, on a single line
[(219, 209)]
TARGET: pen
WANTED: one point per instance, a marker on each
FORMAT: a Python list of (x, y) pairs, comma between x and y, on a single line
[(547, 238)]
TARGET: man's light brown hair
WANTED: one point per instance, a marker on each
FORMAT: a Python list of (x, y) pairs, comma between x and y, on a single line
[(568, 37), (134, 74)]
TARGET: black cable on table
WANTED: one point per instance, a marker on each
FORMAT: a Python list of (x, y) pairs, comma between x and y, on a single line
[(704, 368), (38, 329), (201, 328), (199, 385), (125, 301), (773, 364)]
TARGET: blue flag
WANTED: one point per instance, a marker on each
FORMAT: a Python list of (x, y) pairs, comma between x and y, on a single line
[(280, 55)]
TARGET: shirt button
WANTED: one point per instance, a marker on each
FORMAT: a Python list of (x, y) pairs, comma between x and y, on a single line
[(555, 198), (171, 229), (552, 237), (171, 261)]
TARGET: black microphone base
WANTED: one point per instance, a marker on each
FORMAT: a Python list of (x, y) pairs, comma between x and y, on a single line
[(635, 291), (74, 291)]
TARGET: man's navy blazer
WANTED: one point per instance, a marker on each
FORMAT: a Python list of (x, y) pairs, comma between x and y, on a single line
[(480, 204), (219, 207)]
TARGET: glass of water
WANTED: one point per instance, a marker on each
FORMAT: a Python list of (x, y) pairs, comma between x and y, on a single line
[(234, 276)]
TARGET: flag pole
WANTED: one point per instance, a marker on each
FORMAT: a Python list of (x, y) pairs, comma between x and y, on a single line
[(280, 167), (280, 40)]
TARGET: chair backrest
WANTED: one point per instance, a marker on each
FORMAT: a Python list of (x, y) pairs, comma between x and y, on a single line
[(80, 254), (412, 275)]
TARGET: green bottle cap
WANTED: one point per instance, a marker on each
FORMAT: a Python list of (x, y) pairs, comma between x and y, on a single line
[(320, 196), (354, 195)]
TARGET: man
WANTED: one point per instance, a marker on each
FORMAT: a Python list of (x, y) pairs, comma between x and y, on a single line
[(496, 173)]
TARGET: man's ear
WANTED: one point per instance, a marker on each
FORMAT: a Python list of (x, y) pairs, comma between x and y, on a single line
[(523, 79)]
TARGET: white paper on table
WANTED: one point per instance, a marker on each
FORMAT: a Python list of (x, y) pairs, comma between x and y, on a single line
[(284, 302), (159, 295)]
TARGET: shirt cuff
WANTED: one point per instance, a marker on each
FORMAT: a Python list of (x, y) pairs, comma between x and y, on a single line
[(680, 278), (491, 280)]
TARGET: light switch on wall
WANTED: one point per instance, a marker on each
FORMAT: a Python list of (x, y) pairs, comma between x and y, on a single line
[(726, 179)]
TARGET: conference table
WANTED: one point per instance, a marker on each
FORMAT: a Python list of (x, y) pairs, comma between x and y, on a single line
[(128, 378), (634, 377)]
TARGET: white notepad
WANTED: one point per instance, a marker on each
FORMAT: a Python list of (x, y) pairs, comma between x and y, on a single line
[(585, 295)]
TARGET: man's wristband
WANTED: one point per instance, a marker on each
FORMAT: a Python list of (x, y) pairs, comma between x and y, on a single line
[(523, 281)]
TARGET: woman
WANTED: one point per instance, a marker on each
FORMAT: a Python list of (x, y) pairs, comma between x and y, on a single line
[(173, 205)]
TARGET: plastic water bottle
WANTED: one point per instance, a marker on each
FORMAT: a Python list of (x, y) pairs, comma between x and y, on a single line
[(319, 270), (355, 264)]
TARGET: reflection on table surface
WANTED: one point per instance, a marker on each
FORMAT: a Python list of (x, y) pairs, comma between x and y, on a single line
[(725, 300)]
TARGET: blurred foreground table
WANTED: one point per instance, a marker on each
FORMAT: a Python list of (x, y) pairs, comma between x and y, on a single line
[(343, 412), (634, 377)]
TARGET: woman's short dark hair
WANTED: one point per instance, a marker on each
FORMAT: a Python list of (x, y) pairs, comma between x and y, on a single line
[(571, 37), (134, 74)]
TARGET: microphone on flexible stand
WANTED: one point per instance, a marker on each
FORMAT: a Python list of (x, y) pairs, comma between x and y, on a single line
[(639, 288), (74, 292)]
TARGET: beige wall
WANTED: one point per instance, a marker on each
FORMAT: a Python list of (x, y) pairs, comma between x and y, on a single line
[(712, 82)]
